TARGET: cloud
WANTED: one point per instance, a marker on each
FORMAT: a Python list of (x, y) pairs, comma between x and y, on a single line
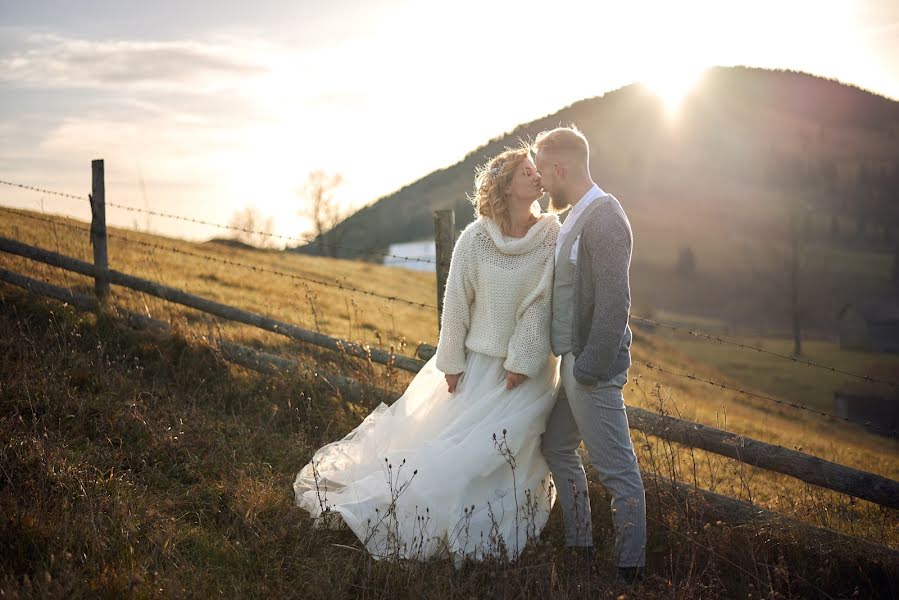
[(52, 61)]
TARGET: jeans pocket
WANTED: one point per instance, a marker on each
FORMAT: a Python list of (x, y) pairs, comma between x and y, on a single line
[(608, 394)]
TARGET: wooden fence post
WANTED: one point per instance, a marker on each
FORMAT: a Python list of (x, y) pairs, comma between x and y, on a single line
[(444, 240), (98, 229)]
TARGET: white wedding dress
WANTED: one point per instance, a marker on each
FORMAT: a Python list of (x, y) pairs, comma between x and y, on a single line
[(432, 475), (458, 475)]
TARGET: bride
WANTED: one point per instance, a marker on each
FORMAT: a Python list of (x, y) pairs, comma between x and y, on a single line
[(454, 468)]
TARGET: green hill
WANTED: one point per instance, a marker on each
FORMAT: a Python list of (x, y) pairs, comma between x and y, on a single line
[(720, 176)]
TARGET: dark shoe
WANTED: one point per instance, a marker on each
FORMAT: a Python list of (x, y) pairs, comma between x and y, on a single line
[(630, 575)]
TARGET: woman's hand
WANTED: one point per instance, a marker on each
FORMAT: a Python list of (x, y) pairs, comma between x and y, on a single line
[(513, 380), (452, 381)]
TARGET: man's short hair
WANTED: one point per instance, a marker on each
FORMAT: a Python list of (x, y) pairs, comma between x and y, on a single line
[(568, 141)]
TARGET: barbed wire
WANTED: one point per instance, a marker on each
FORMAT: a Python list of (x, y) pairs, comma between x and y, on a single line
[(675, 328), (260, 269), (723, 386), (648, 365), (361, 251), (166, 215), (229, 262), (32, 188), (743, 346), (54, 220)]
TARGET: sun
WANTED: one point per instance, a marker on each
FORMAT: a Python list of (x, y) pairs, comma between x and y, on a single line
[(672, 84)]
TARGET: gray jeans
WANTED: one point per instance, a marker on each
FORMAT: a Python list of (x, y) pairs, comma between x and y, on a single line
[(597, 415)]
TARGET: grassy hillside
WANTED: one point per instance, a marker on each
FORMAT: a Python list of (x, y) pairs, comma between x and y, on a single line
[(144, 464), (720, 176), (373, 320), (800, 384)]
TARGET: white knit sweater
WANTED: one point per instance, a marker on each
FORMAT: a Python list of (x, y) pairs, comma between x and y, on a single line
[(498, 297)]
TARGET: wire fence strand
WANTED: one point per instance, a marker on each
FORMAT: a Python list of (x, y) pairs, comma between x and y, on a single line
[(651, 366), (167, 215), (372, 252), (675, 328), (260, 269), (360, 251), (724, 386), (743, 346), (32, 188), (256, 268)]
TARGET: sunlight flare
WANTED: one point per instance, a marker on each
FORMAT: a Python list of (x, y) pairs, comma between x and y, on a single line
[(672, 84)]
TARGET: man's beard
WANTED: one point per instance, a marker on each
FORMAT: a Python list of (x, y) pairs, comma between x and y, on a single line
[(559, 202)]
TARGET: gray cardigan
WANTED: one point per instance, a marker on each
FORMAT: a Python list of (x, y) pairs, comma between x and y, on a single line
[(601, 336)]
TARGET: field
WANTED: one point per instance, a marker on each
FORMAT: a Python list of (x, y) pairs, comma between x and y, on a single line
[(742, 281), (145, 464), (799, 384), (748, 149)]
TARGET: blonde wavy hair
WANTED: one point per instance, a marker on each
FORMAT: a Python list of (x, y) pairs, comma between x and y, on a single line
[(490, 183)]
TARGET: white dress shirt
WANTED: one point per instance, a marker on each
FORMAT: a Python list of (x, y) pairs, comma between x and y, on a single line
[(576, 211)]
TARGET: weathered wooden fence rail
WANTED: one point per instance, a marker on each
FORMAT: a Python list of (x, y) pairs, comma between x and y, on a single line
[(811, 469), (208, 306), (237, 353), (729, 509), (808, 468)]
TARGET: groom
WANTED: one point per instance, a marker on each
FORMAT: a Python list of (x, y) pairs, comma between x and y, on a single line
[(590, 306)]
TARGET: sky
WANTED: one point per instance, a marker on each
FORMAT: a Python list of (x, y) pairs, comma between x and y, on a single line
[(202, 107)]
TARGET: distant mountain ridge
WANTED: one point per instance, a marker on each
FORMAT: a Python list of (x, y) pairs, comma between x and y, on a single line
[(744, 135)]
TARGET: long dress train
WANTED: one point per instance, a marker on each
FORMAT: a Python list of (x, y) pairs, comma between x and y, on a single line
[(437, 474)]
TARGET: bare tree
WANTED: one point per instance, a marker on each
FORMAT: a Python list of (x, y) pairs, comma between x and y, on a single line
[(778, 267), (783, 269), (686, 262), (323, 209), (795, 261), (896, 264), (250, 227)]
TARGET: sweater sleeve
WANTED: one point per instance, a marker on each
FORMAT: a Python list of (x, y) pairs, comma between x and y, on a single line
[(529, 346), (456, 319), (607, 248)]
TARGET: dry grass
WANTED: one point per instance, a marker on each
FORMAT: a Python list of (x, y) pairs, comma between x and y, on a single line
[(147, 465), (800, 384), (295, 300), (144, 465)]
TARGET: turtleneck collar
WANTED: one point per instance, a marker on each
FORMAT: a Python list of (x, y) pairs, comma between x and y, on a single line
[(521, 245)]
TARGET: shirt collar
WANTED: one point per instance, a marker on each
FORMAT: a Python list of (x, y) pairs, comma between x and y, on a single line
[(592, 194)]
